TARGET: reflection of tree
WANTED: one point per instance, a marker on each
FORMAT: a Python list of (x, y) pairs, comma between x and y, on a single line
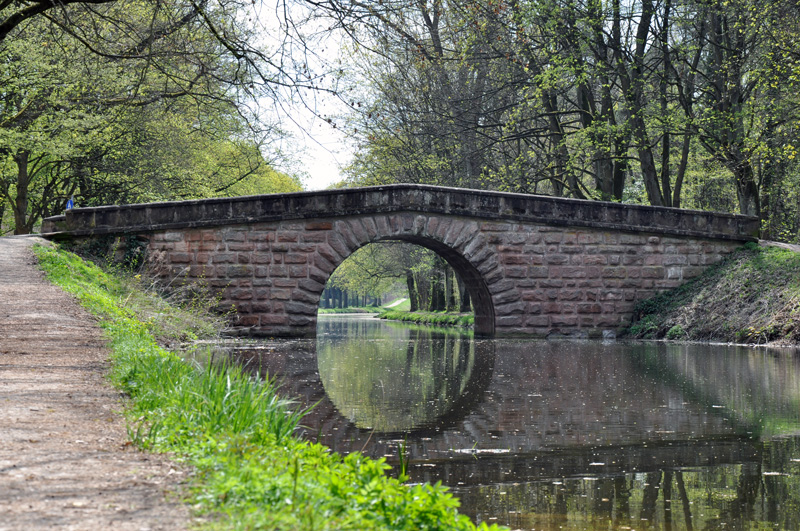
[(761, 492)]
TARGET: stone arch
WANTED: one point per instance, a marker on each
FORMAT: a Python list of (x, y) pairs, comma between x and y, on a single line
[(456, 240)]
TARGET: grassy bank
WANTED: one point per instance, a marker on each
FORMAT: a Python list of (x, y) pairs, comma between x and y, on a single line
[(360, 309), (753, 296), (429, 318), (251, 471)]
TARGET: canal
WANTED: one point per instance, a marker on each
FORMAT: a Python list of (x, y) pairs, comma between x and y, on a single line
[(557, 434)]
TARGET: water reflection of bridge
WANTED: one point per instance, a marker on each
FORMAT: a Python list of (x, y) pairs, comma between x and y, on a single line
[(562, 408)]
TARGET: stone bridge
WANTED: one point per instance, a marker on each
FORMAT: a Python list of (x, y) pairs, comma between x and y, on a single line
[(533, 265)]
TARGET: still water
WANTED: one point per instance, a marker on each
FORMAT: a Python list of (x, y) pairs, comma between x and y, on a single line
[(558, 435)]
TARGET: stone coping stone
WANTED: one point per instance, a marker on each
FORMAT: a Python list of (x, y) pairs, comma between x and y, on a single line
[(397, 198)]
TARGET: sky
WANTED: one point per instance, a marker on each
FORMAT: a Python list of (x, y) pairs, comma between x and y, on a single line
[(317, 151), (325, 151)]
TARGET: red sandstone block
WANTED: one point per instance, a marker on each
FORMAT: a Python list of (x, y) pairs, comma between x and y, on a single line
[(634, 272), (533, 295), (223, 258), (653, 272), (533, 308), (538, 321), (313, 237), (675, 259), (179, 258), (261, 307), (691, 272), (242, 307), (573, 272), (506, 297), (261, 258), (538, 272), (551, 307), (278, 258), (612, 295), (596, 259), (248, 320), (553, 237), (564, 320), (492, 226), (261, 271), (238, 270), (230, 235), (280, 294), (319, 225), (273, 319), (556, 259), (284, 282), (173, 236), (516, 272), (589, 307), (571, 295), (196, 271), (590, 238), (614, 272), (509, 320), (240, 247), (652, 249), (551, 283), (632, 259), (570, 249), (242, 294), (260, 293), (296, 258), (298, 271), (674, 273), (193, 236), (260, 236), (505, 249), (279, 247), (243, 258), (287, 237), (570, 238)]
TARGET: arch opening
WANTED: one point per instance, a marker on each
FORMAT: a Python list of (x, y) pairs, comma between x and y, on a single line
[(454, 284)]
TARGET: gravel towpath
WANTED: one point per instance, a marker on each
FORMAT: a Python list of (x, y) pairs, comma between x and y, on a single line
[(65, 462)]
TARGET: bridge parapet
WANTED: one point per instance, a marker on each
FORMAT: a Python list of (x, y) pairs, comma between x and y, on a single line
[(534, 265), (478, 204)]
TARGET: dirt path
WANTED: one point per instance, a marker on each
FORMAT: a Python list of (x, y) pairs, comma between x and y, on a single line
[(64, 459)]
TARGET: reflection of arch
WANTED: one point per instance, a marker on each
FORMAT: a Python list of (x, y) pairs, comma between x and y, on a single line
[(425, 380), (459, 242)]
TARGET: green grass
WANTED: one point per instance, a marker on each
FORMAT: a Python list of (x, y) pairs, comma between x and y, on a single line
[(251, 471), (432, 318), (359, 309)]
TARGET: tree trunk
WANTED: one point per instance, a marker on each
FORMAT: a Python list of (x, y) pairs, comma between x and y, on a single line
[(747, 190), (412, 291), (466, 304), (20, 206), (449, 291)]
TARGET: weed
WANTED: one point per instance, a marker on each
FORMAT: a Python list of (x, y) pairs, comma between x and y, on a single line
[(676, 332)]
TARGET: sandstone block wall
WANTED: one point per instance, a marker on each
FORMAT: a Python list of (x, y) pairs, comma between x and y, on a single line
[(528, 279)]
